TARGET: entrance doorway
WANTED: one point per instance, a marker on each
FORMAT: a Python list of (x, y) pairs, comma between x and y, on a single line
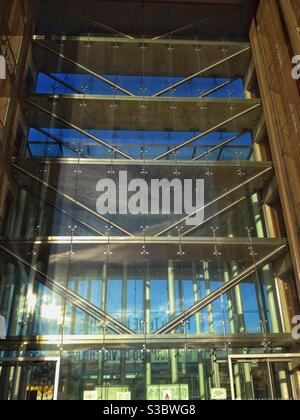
[(29, 378), (264, 377)]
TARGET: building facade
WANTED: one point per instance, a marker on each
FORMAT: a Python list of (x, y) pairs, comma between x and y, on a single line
[(164, 297)]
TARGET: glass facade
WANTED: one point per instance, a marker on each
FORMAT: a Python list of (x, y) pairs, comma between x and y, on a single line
[(141, 306)]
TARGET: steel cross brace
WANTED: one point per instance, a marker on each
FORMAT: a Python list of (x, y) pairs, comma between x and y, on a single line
[(75, 299), (220, 146), (199, 73), (72, 200), (191, 25), (87, 70), (60, 142), (215, 89), (65, 212), (98, 24), (216, 200), (208, 300), (205, 133), (80, 130), (63, 83)]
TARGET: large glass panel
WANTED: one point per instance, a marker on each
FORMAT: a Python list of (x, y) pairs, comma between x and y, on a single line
[(140, 304)]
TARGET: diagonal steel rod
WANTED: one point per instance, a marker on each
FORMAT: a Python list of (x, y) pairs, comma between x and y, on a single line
[(72, 200), (210, 130), (191, 25), (199, 73), (220, 146), (216, 200), (60, 142), (208, 300), (212, 217), (65, 212), (98, 24), (71, 296), (86, 69), (216, 88), (80, 130), (63, 82)]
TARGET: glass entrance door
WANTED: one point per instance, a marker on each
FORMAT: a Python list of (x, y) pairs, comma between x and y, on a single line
[(261, 381), (262, 377), (29, 379)]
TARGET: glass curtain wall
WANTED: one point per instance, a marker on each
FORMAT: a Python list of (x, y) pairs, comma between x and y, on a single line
[(139, 305)]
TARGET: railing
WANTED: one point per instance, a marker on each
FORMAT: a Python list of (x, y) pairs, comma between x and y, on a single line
[(8, 53)]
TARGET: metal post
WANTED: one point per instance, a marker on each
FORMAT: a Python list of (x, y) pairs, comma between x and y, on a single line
[(239, 307), (183, 359), (215, 375), (267, 275), (201, 373), (268, 279), (19, 220), (148, 323), (16, 382), (103, 307), (208, 291), (232, 324), (231, 378), (56, 381), (229, 301), (172, 311), (123, 317)]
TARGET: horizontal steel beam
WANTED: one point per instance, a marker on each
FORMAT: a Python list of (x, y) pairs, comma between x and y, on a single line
[(140, 147), (76, 300), (208, 300), (191, 114), (279, 357), (149, 240), (186, 54), (141, 41), (153, 342), (259, 165)]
